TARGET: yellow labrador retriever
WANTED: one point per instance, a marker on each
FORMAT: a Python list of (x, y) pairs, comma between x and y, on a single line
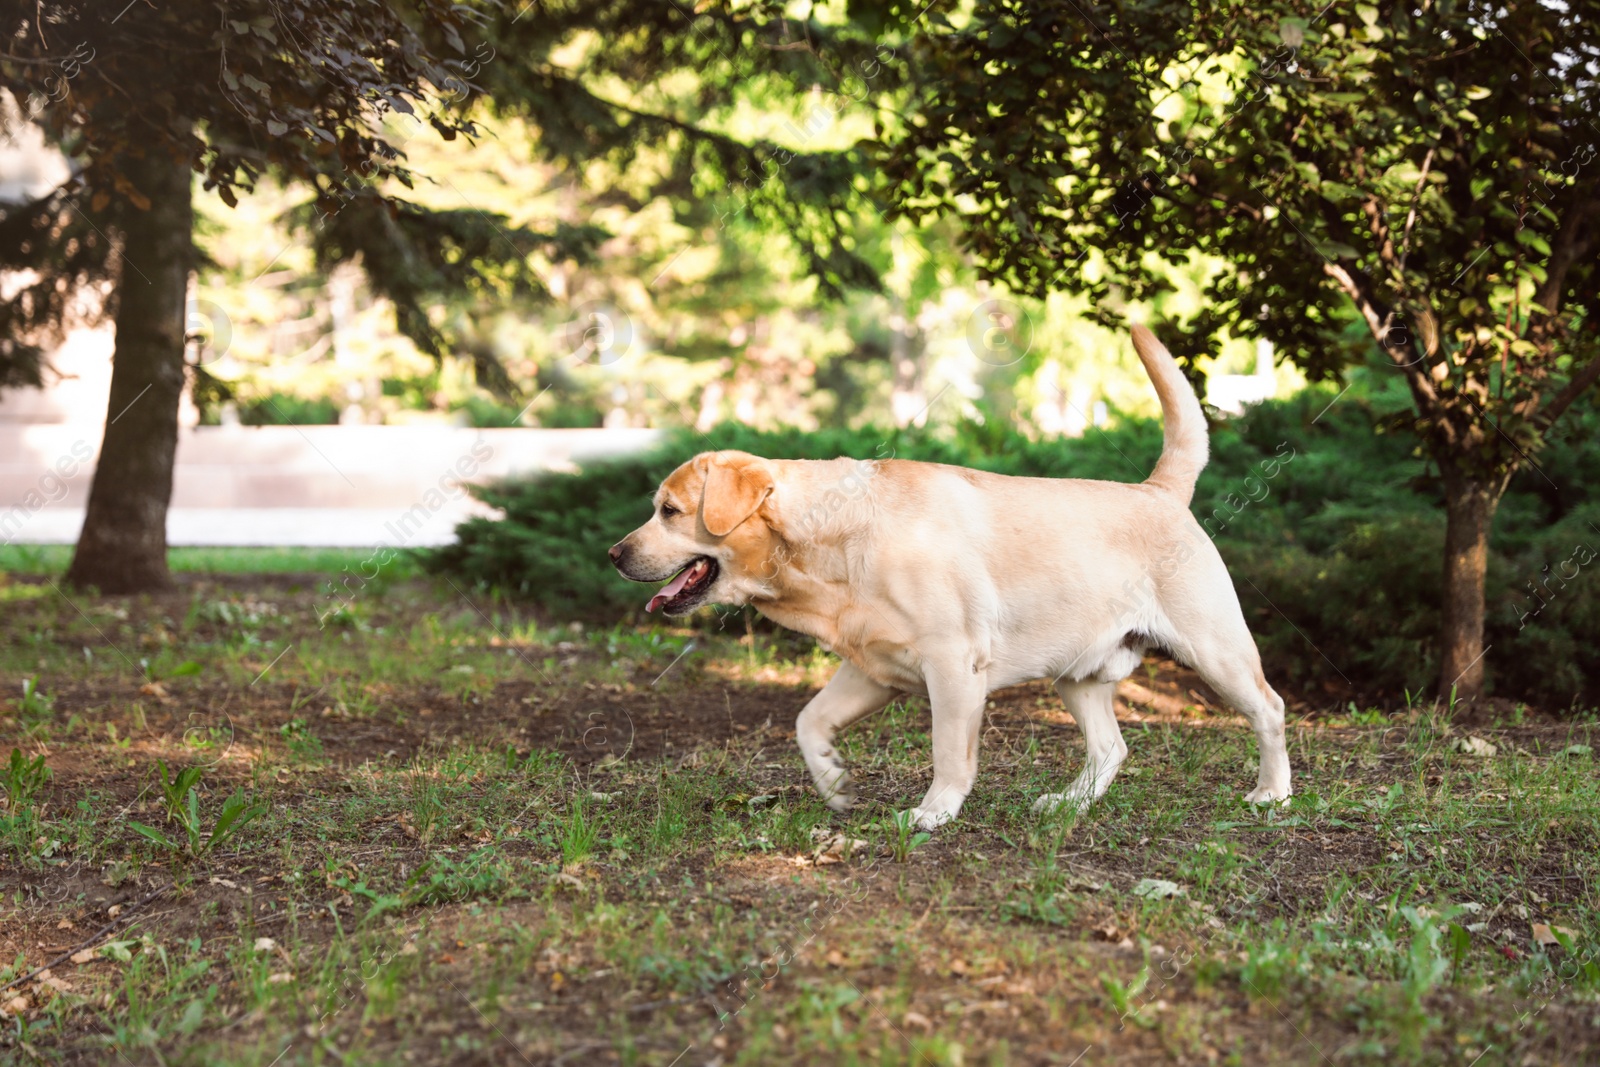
[(952, 583)]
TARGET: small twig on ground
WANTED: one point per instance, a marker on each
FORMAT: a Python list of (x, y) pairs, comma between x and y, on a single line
[(124, 917)]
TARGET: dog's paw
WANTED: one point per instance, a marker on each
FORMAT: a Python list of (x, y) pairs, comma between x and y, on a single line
[(837, 790), (1265, 795), (928, 820), (1050, 803)]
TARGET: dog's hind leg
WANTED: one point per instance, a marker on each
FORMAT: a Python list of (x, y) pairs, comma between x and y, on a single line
[(1090, 705), (1233, 669), (849, 695)]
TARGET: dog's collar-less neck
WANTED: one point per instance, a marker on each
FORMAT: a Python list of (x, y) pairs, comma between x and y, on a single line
[(818, 512)]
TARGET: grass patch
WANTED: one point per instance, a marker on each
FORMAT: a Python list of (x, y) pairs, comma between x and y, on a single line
[(476, 836), (52, 560)]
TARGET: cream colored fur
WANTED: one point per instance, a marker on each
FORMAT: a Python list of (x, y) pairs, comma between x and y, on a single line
[(952, 583)]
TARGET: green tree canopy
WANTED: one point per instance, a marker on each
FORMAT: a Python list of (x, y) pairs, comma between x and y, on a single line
[(142, 96), (1425, 168)]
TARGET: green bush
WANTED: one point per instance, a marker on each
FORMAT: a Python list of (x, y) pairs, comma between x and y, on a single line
[(1332, 527), (286, 409)]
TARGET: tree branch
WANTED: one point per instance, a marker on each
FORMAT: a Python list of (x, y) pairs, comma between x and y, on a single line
[(1378, 322), (1571, 245), (1411, 216)]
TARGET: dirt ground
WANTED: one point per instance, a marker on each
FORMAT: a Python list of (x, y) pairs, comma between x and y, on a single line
[(481, 838)]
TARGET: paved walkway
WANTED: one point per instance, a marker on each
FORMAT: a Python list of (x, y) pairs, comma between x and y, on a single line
[(331, 486)]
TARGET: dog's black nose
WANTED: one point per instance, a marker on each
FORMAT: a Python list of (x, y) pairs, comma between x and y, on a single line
[(615, 553)]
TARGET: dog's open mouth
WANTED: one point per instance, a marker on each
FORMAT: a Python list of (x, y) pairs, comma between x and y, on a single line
[(686, 590)]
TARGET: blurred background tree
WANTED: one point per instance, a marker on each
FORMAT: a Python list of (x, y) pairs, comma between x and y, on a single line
[(306, 94)]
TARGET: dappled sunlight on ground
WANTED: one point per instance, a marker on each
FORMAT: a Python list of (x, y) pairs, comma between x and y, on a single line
[(483, 838)]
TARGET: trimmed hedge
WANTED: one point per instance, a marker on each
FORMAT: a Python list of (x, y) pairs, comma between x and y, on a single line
[(1333, 530)]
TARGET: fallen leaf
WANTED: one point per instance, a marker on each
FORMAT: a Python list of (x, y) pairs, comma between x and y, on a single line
[(834, 957), (838, 848), (65, 924), (992, 1006), (85, 956), (1475, 746), (265, 944), (17, 1005), (917, 1019), (1545, 934), (279, 978), (155, 689), (1157, 889), (1577, 750)]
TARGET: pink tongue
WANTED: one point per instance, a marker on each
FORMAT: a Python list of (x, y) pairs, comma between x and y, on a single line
[(673, 588)]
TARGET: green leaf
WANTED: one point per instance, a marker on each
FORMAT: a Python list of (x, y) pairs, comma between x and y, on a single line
[(121, 951), (237, 812), (186, 669), (153, 834), (1531, 239), (1335, 249), (1338, 192), (1460, 944)]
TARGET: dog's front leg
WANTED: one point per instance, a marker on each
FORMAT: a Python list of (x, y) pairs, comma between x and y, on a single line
[(956, 688), (848, 696)]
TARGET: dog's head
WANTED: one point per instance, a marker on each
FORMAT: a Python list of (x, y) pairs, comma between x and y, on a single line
[(710, 533)]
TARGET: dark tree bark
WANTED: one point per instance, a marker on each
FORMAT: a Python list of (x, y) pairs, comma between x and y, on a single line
[(1470, 505), (123, 546)]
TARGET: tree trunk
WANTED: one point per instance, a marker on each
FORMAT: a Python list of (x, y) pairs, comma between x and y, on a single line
[(123, 546), (1469, 512)]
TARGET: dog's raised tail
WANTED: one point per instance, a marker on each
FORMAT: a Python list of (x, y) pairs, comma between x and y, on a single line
[(1184, 447)]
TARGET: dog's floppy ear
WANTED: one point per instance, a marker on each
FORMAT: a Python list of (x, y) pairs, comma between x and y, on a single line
[(735, 486)]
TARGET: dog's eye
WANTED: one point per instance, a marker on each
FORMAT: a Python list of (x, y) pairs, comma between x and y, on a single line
[(667, 511)]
